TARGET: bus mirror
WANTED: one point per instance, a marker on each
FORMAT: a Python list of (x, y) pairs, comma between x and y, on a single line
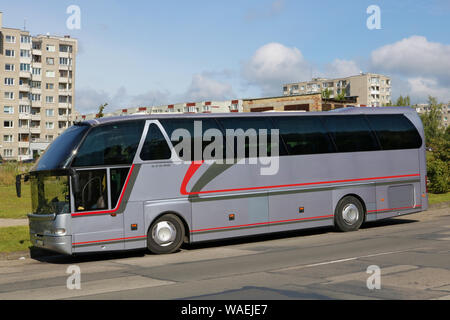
[(75, 180), (19, 185)]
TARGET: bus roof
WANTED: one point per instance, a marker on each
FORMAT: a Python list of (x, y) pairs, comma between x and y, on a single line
[(359, 110)]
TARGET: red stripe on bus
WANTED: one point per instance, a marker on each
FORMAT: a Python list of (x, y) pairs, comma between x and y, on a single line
[(117, 239), (118, 203), (196, 165), (263, 223)]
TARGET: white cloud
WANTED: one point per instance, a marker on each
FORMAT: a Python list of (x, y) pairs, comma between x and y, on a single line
[(414, 56), (274, 64), (341, 68), (204, 87), (421, 88)]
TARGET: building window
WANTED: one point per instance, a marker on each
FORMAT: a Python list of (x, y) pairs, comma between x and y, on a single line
[(8, 124), (50, 61), (36, 71), (65, 48), (9, 95), (25, 53), (50, 48), (25, 39), (49, 86), (10, 39), (50, 74), (35, 97), (8, 109), (49, 125), (9, 67), (24, 109), (49, 99), (49, 112), (65, 61), (25, 67), (9, 53), (36, 84), (48, 137), (7, 153), (7, 138), (9, 81)]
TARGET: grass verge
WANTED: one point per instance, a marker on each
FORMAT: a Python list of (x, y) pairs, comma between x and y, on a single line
[(437, 198), (14, 239), (12, 207)]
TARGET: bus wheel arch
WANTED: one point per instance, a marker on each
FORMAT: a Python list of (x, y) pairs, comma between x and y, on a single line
[(166, 233), (350, 213)]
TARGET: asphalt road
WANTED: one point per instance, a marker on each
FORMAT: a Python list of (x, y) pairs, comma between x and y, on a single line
[(412, 252)]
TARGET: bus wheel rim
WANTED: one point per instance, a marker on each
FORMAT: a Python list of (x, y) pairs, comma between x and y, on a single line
[(164, 233), (350, 213)]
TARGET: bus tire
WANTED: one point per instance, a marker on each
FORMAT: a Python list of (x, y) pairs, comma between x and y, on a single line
[(165, 235), (349, 214)]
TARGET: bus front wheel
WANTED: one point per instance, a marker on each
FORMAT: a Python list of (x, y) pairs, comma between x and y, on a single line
[(349, 214), (165, 235)]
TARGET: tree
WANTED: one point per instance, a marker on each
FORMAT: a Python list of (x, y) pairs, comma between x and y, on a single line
[(438, 141), (100, 110), (326, 93), (340, 96), (403, 101), (431, 120)]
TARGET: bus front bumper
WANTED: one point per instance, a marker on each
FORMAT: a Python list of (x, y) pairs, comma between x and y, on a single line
[(61, 244)]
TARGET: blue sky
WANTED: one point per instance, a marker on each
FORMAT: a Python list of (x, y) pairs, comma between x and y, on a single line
[(151, 52)]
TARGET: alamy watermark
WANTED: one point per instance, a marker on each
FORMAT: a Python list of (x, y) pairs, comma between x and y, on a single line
[(374, 281), (74, 280), (73, 22), (374, 20), (251, 146)]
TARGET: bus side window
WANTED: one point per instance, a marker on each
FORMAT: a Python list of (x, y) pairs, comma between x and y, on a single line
[(351, 133), (155, 146), (395, 131), (303, 135)]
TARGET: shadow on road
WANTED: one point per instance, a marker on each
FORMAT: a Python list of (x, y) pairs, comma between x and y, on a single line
[(51, 257)]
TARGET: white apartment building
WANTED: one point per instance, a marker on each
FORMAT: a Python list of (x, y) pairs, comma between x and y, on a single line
[(185, 107), (371, 89), (37, 81)]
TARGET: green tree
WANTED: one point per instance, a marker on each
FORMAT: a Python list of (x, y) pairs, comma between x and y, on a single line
[(438, 141), (100, 110), (340, 96), (326, 93), (403, 101)]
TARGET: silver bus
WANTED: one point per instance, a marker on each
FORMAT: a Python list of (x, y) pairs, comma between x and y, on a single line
[(119, 183)]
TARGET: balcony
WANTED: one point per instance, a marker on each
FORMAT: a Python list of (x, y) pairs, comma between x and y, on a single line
[(36, 77), (37, 52), (24, 144), (24, 88), (36, 116), (36, 90), (24, 74), (35, 129), (64, 105), (24, 116)]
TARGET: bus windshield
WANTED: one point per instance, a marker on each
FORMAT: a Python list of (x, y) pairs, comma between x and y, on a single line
[(49, 193), (59, 152)]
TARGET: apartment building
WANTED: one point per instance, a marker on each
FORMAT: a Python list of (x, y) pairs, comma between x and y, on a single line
[(37, 75), (185, 107), (445, 118), (372, 89)]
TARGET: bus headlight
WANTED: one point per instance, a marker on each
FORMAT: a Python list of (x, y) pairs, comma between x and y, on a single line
[(60, 231)]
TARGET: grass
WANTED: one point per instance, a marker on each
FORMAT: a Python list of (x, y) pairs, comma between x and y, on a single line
[(437, 198), (12, 207), (14, 239)]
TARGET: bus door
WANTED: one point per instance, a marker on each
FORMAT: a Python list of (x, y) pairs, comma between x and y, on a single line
[(97, 221)]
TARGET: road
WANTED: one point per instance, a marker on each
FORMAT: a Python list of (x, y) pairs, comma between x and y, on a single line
[(412, 252)]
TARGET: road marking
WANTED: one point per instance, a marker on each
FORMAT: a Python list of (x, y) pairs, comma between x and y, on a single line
[(87, 288), (337, 261), (363, 275)]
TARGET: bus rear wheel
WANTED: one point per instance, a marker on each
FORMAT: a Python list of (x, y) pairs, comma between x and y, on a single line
[(349, 214), (165, 235)]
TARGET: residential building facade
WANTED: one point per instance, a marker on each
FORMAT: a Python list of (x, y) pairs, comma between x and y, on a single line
[(372, 89), (424, 107), (37, 82)]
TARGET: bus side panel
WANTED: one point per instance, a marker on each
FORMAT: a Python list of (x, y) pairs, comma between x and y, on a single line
[(300, 210), (134, 226), (212, 217)]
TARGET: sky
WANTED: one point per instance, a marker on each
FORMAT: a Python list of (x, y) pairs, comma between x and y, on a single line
[(142, 53)]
